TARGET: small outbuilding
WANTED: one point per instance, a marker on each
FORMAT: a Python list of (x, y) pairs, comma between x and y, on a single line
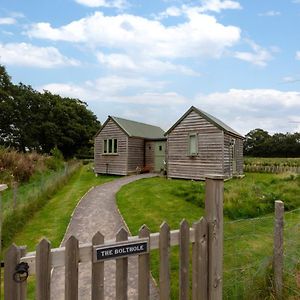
[(199, 144), (123, 146)]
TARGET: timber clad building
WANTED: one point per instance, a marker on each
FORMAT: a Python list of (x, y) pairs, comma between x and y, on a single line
[(198, 144), (123, 147)]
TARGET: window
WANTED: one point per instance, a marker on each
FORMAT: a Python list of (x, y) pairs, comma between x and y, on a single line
[(193, 144), (160, 148), (110, 146)]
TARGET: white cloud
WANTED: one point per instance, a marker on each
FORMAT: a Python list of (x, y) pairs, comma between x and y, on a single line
[(117, 62), (270, 13), (298, 55), (219, 5), (24, 54), (7, 21), (200, 36), (244, 110), (260, 56), (114, 89), (104, 3)]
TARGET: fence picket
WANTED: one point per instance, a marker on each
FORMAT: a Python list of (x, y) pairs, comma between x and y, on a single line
[(144, 268), (71, 269), (195, 269), (184, 244), (164, 264), (278, 248), (98, 272), (11, 259), (121, 269), (43, 270), (23, 285), (202, 259)]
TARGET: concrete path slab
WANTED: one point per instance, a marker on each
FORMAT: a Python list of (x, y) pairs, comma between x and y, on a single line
[(97, 211)]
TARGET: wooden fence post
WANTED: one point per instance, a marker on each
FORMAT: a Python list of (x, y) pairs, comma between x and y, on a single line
[(214, 215), (200, 261), (164, 261), (278, 248), (71, 268), (43, 270), (23, 285), (184, 249), (98, 272), (144, 268), (12, 258), (121, 269)]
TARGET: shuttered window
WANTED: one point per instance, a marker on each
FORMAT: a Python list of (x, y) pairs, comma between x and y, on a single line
[(193, 144), (110, 146)]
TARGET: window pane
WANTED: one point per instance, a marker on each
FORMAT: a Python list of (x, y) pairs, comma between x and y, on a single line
[(115, 146), (193, 145), (105, 146), (110, 146)]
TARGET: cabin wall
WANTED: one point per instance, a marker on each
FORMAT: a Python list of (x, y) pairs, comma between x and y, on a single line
[(136, 154), (239, 156), (111, 163), (209, 159), (233, 153), (149, 155)]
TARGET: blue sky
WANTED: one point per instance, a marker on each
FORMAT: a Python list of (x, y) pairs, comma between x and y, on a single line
[(151, 60)]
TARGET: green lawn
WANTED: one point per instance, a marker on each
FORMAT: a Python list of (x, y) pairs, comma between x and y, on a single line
[(248, 243), (52, 220)]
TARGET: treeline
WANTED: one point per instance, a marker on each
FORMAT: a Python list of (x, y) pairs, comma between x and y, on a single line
[(260, 143), (31, 120)]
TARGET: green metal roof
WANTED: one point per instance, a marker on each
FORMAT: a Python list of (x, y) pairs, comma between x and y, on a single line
[(137, 129), (210, 119)]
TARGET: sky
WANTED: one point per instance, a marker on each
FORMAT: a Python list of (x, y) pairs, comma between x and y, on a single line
[(150, 61)]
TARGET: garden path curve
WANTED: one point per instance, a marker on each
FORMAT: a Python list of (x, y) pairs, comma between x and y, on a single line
[(97, 211)]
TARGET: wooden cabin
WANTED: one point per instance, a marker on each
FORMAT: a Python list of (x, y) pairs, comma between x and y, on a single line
[(199, 144), (124, 146)]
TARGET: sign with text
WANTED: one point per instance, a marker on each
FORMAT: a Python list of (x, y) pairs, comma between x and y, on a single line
[(121, 249)]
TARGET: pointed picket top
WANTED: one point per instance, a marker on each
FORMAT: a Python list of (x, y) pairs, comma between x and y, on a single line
[(44, 244), (164, 226), (98, 238), (122, 235), (72, 240), (184, 224), (144, 231), (12, 249)]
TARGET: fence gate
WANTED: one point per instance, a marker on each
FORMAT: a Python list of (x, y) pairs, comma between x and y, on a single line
[(206, 237)]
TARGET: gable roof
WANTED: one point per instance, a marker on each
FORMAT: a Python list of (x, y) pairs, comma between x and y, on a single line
[(218, 123), (137, 129)]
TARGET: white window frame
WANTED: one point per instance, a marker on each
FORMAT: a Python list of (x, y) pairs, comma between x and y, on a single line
[(106, 146), (192, 135)]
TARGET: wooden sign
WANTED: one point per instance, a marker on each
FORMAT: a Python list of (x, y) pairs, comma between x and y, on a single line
[(121, 249)]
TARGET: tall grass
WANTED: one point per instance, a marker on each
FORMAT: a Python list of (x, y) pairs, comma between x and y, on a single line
[(272, 161), (248, 197), (32, 197)]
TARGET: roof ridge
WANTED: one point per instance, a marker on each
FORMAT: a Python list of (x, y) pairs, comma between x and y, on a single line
[(114, 117)]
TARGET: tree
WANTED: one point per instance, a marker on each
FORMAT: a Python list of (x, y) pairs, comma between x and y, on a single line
[(31, 120), (257, 143)]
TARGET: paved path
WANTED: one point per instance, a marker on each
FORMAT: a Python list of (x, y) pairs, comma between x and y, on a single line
[(97, 211)]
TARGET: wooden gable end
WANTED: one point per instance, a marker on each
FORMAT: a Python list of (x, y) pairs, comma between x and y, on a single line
[(111, 163), (210, 141)]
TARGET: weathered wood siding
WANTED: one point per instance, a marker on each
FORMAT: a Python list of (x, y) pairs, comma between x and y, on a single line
[(149, 154), (239, 156), (111, 164), (231, 153), (227, 155), (136, 153), (210, 149)]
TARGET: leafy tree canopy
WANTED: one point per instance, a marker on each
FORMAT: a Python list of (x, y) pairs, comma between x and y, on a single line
[(260, 143), (31, 120)]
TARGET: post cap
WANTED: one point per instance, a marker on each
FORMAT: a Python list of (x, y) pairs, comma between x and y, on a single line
[(3, 187), (215, 176)]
